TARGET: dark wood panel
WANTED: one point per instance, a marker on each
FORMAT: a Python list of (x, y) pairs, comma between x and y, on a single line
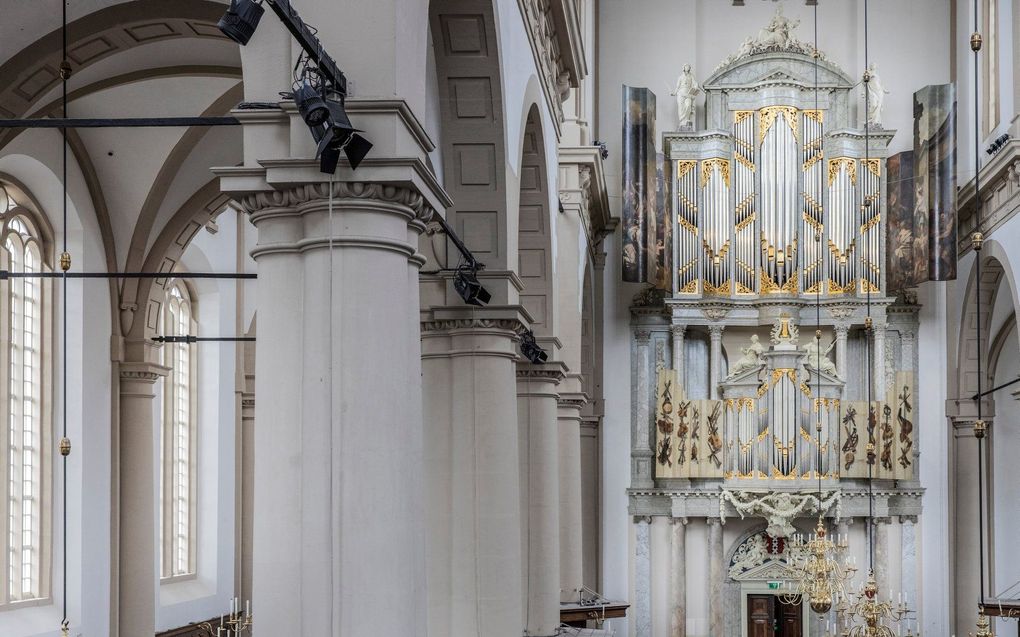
[(791, 618), (761, 616)]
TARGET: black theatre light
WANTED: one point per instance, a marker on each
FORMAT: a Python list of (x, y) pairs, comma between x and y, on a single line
[(531, 349), (311, 104), (465, 281), (337, 134), (241, 20)]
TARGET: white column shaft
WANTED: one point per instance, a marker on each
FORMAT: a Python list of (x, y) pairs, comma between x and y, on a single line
[(338, 524), (571, 532), (715, 368), (643, 577), (678, 578), (540, 509), (715, 577)]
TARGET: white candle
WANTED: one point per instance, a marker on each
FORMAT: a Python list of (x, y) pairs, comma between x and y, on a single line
[(247, 608)]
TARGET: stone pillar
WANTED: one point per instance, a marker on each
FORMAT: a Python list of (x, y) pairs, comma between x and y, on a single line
[(339, 524), (139, 556), (879, 361), (678, 351), (678, 578), (716, 568), (246, 496), (908, 555), (842, 330), (715, 331), (540, 506), (571, 535), (641, 447), (473, 499), (881, 531), (643, 576)]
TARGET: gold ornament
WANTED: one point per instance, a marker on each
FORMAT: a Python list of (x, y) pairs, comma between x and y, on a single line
[(977, 240), (980, 427), (975, 42), (65, 447), (65, 261)]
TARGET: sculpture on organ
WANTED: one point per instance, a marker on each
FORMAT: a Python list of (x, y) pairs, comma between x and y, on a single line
[(686, 91), (819, 359), (778, 33), (751, 360), (875, 94)]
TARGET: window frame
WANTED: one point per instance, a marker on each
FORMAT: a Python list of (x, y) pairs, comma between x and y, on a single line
[(44, 464), (168, 458)]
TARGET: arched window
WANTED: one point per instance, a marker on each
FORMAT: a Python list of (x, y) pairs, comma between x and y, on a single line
[(179, 461), (23, 391)]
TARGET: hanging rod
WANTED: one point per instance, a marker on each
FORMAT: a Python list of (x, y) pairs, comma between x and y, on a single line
[(202, 339), (995, 389), (4, 274), (118, 122)]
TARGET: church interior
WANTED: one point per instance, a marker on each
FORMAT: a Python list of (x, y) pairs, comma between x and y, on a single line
[(509, 318)]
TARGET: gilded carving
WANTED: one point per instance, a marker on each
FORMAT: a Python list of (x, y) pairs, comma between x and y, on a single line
[(767, 117), (719, 164), (847, 164)]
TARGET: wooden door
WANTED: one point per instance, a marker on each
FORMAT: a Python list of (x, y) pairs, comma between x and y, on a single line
[(761, 616), (790, 619)]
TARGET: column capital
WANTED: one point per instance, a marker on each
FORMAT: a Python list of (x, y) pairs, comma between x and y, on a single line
[(143, 372), (908, 519), (683, 521), (645, 519), (715, 330), (881, 521), (678, 331), (300, 195), (842, 328), (714, 521), (446, 319), (642, 336), (550, 372)]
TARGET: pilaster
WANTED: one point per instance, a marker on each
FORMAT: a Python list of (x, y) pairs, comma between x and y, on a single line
[(643, 576), (678, 577), (716, 569), (678, 332), (569, 407), (715, 331), (641, 448)]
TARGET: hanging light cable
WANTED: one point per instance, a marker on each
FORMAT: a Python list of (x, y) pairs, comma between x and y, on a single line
[(977, 241), (65, 265)]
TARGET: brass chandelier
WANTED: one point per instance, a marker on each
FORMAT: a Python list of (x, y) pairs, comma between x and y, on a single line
[(823, 570), (868, 615)]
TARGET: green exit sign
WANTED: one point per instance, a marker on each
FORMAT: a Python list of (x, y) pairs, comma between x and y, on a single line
[(774, 586)]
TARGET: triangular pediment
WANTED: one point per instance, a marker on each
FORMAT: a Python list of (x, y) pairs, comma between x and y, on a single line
[(770, 570)]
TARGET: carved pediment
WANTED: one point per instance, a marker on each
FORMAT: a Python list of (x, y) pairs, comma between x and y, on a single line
[(770, 570), (784, 68)]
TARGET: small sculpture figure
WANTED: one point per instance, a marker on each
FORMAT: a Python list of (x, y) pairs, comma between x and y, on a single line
[(751, 359), (875, 95), (818, 359), (745, 47), (686, 91)]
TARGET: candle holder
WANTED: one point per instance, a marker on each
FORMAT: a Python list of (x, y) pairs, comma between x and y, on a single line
[(234, 623)]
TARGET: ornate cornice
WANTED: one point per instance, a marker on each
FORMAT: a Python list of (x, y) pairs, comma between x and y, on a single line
[(306, 193), (139, 375), (447, 325), (554, 34), (555, 375), (576, 403)]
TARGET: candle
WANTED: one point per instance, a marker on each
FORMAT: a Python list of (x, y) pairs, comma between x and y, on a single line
[(219, 632), (247, 608)]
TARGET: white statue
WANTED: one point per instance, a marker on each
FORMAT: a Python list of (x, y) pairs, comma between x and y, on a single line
[(875, 95), (779, 32), (819, 359), (751, 358), (686, 91)]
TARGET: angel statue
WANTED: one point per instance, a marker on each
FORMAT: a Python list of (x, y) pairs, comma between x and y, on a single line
[(686, 91), (875, 95), (751, 358), (820, 359)]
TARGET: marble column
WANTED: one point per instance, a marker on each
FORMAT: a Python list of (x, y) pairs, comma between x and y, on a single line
[(678, 578), (641, 447), (716, 568), (339, 472), (881, 538), (571, 532), (472, 485), (715, 331), (678, 332), (540, 504), (138, 561), (908, 555), (879, 361), (842, 330), (643, 576)]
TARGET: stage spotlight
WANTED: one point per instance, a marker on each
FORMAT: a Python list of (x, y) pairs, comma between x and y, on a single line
[(241, 20), (530, 348), (311, 104), (465, 281), (337, 134)]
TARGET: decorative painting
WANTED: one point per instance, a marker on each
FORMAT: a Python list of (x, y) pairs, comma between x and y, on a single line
[(935, 175), (639, 180), (907, 228)]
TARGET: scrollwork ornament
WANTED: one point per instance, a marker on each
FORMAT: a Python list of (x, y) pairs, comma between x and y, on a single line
[(306, 193)]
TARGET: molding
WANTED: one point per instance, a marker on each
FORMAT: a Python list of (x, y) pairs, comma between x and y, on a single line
[(593, 189), (149, 372), (449, 325), (299, 195)]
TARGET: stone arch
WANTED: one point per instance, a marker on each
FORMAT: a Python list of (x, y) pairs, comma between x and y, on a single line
[(204, 206), (32, 72), (473, 125), (995, 272), (535, 231)]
